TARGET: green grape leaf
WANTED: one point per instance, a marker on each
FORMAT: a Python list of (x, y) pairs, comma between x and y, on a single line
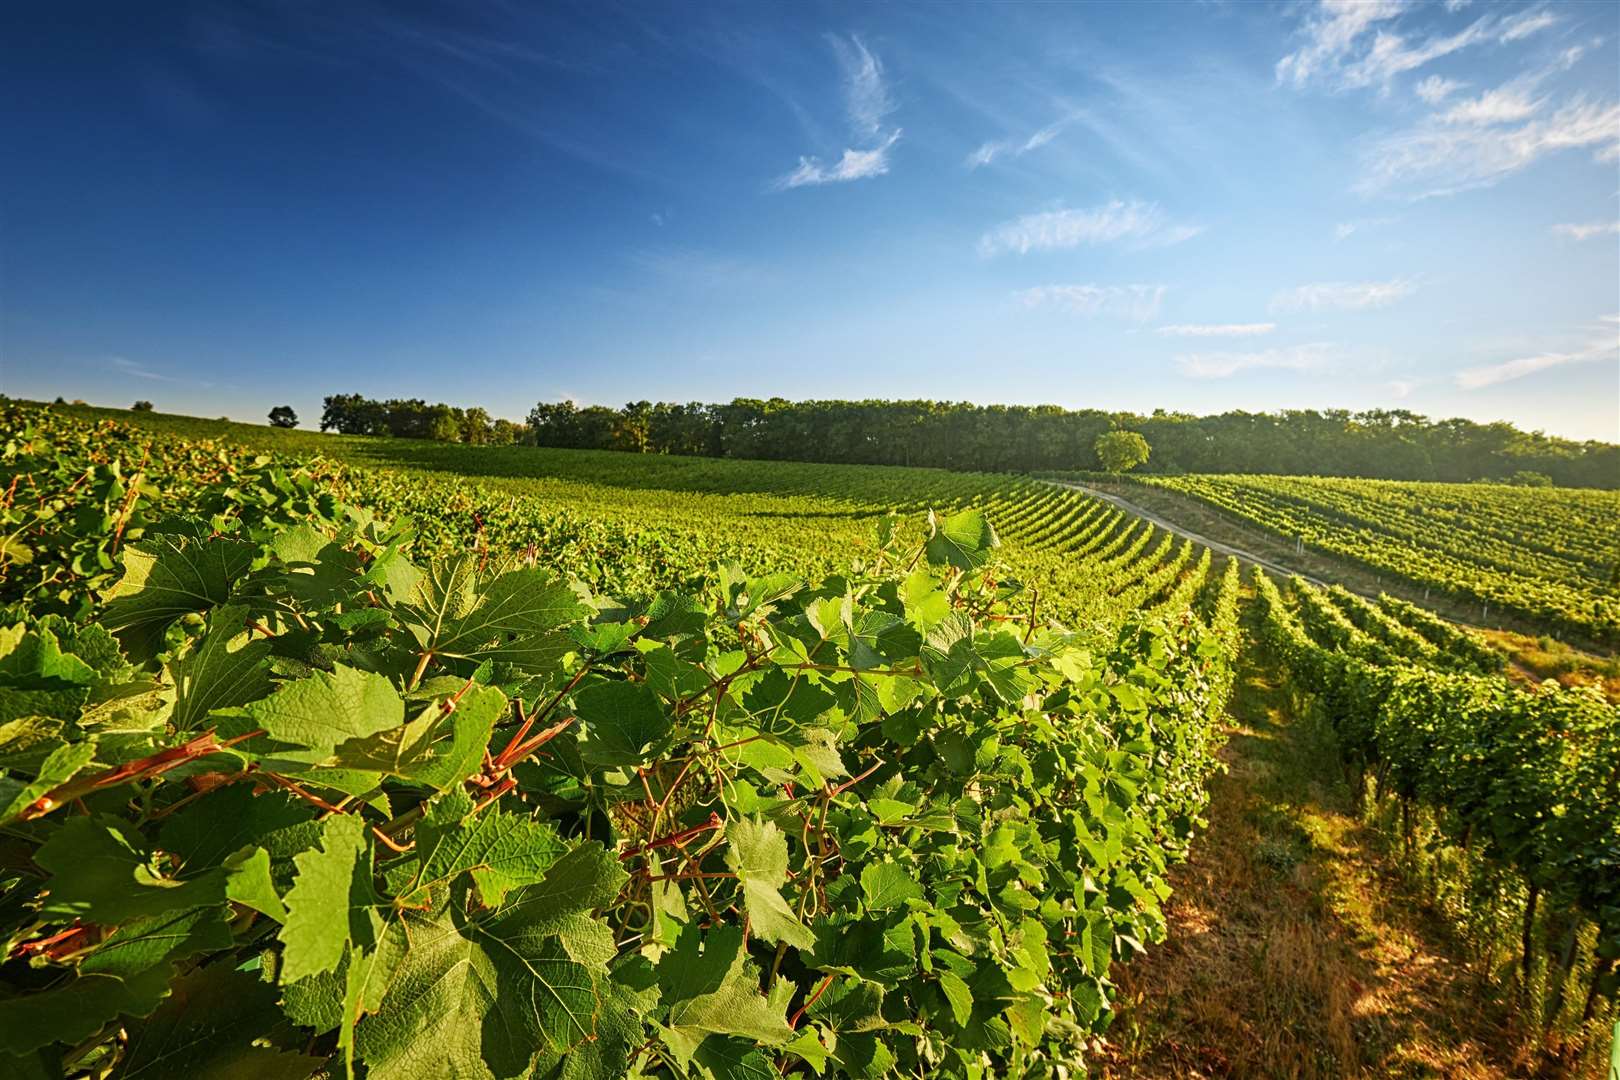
[(964, 540), (166, 577), (470, 728), (888, 885), (212, 1027), (70, 1013), (248, 882), (512, 619), (331, 901), (476, 993), (102, 873), (127, 974), (625, 723), (38, 679), (324, 710), (757, 852), (708, 984), (207, 832), (222, 669), (958, 995), (501, 851), (60, 766), (780, 701)]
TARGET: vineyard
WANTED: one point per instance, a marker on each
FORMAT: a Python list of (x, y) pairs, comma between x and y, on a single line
[(1512, 797), (1550, 557), (354, 756)]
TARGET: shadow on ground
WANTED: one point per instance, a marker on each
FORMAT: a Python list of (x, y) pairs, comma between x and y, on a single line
[(1294, 948)]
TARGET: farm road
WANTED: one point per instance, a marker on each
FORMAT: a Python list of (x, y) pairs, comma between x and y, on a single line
[(1170, 526)]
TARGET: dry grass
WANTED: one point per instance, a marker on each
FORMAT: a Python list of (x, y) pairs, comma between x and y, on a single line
[(1295, 947), (1533, 659)]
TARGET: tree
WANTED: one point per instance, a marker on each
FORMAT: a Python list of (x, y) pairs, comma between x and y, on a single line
[(283, 416), (142, 406), (1121, 451), (442, 423), (475, 426)]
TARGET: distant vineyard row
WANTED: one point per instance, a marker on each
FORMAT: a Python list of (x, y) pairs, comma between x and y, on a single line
[(1550, 557)]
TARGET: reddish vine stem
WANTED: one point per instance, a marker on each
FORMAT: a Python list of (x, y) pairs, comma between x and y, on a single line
[(846, 785), (139, 769), (675, 839), (793, 1021)]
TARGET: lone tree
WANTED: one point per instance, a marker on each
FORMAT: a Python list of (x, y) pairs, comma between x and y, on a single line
[(142, 406), (283, 416), (1121, 451)]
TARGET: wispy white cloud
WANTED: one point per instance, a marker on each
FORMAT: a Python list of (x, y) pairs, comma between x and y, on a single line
[(1602, 343), (1136, 302), (867, 101), (988, 152), (1454, 6), (854, 165), (1436, 89), (1331, 32), (1346, 229), (1139, 223), (1347, 44), (1217, 329), (126, 366), (1586, 232), (1318, 356), (866, 90), (1440, 158), (1504, 105), (1525, 23), (1572, 55), (1343, 295)]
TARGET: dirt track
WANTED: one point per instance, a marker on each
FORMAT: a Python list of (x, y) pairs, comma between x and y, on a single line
[(1170, 526)]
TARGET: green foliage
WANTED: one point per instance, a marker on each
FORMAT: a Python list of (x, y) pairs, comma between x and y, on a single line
[(1528, 781), (142, 406), (283, 416), (1121, 451), (1545, 556), (463, 815), (959, 435)]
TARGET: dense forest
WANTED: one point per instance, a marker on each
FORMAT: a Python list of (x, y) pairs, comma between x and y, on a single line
[(1394, 444)]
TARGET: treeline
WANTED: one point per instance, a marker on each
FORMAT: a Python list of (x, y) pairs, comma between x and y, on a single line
[(413, 418), (1391, 444)]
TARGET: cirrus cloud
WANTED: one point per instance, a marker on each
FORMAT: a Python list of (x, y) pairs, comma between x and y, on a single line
[(1139, 223), (1343, 295), (1316, 356), (1586, 232), (1136, 302)]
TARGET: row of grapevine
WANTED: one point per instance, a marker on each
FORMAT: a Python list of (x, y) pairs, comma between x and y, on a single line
[(291, 785), (1526, 782), (1549, 557)]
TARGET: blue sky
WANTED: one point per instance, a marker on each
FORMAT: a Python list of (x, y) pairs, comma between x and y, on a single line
[(1196, 206)]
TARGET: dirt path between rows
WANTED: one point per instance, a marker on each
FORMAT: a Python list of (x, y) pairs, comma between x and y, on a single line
[(1296, 948), (1216, 546)]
